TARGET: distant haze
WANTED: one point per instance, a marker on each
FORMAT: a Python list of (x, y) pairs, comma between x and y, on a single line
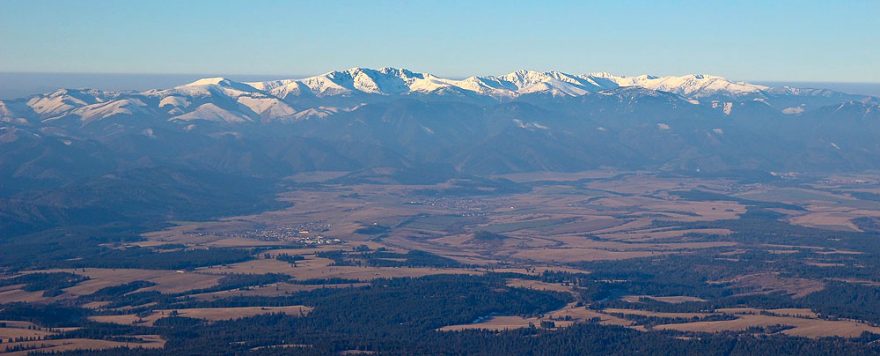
[(18, 85), (872, 89)]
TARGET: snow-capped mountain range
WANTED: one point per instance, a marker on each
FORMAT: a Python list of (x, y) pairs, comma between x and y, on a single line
[(80, 153), (392, 81), (321, 96)]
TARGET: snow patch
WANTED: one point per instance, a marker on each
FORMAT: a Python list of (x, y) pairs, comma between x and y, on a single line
[(109, 109), (174, 101), (207, 81), (529, 125), (691, 85), (267, 107), (211, 112), (321, 112), (794, 110)]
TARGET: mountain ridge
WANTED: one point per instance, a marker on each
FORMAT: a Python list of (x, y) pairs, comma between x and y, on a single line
[(388, 117), (292, 99)]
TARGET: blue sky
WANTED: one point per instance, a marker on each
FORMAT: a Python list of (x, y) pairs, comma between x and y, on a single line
[(746, 40)]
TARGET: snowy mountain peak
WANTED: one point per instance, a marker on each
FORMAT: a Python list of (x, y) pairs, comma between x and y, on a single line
[(62, 101), (692, 85), (223, 100), (208, 81), (601, 75), (400, 81), (532, 76), (219, 82)]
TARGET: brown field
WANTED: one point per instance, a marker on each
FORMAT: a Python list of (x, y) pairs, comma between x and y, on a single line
[(538, 285), (538, 270), (571, 311), (214, 314), (670, 299), (635, 224), (798, 195), (650, 234), (803, 322), (581, 254), (166, 281), (501, 323), (211, 314), (558, 176), (825, 209), (826, 220), (271, 290), (18, 324), (606, 319), (794, 312), (317, 176), (654, 314), (320, 268), (96, 305), (545, 226), (14, 293), (806, 327), (61, 345), (763, 283), (646, 184), (824, 264), (496, 323), (564, 317), (857, 281), (838, 252), (10, 333)]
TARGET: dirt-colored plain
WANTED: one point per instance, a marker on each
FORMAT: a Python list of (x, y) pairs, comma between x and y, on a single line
[(211, 314)]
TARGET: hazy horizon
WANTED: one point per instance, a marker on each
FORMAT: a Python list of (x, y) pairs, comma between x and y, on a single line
[(14, 85)]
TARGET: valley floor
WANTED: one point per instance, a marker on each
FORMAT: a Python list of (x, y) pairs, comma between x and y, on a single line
[(685, 261)]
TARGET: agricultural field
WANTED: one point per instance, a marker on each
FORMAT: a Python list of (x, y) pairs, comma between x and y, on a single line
[(562, 253)]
